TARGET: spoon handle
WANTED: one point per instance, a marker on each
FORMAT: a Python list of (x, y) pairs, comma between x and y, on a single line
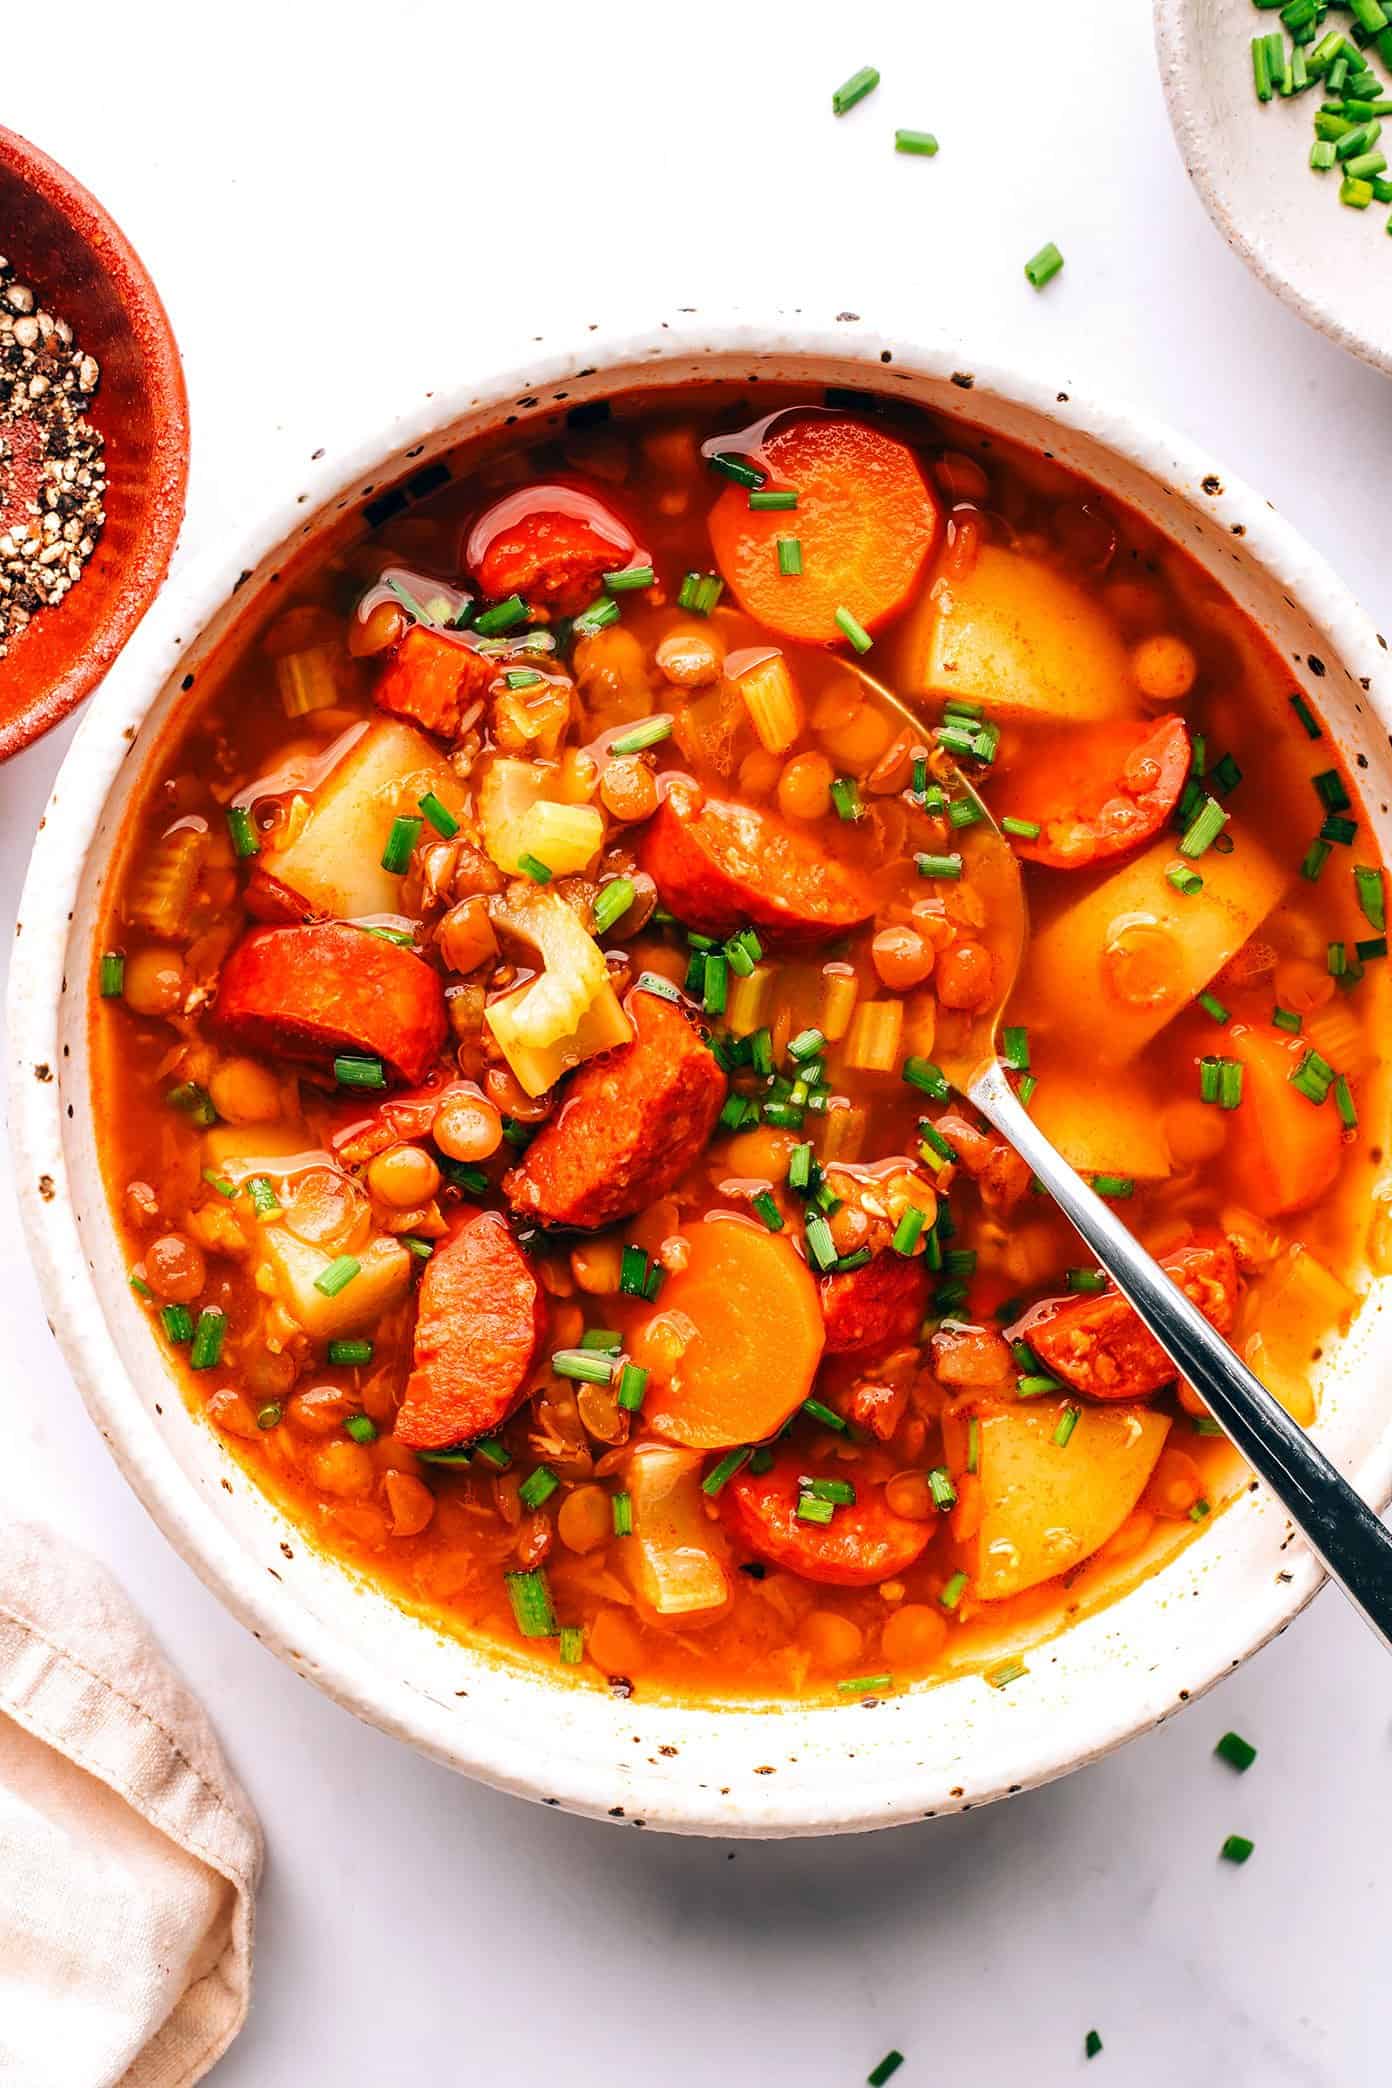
[(1341, 1528)]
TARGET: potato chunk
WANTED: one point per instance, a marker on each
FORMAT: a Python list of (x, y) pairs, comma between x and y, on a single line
[(335, 863), (384, 1272)]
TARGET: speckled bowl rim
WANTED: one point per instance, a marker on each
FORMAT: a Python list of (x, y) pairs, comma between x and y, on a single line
[(1195, 142), (840, 1785)]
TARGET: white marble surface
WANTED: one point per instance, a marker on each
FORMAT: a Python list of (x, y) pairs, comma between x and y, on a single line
[(345, 205)]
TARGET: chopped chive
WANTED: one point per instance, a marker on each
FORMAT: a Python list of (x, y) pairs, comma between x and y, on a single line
[(1211, 1005), (191, 1100), (907, 1231), (773, 499), (111, 978), (936, 1149), (585, 1366), (537, 1487), (219, 1183), (1200, 1511), (1287, 1019), (1261, 69), (1344, 1103), (1022, 829), (612, 902), (519, 678), (654, 983), (338, 1275), (922, 1073), (208, 1337), (944, 866), (361, 1427), (242, 829), (1236, 1849), (1371, 946), (800, 1168), (821, 1249), (648, 734), (1041, 268), (633, 1388), (408, 601), (177, 1322), (850, 627), (1307, 717), (817, 1410), (572, 1645), (412, 1242), (1235, 1750), (439, 815), (941, 1488), (722, 1473), (1329, 789), (1186, 881), (1085, 1280), (767, 1208), (494, 1453), (974, 1444), (1225, 776), (533, 867), (1005, 1671), (1371, 897), (717, 979), (531, 1604), (1068, 1421), (845, 795), (351, 1352), (1092, 2045), (862, 1684), (630, 579), (621, 1512), (953, 1591), (1015, 1047), (839, 1492), (352, 1071), (736, 468), (405, 832), (1337, 828), (812, 1510), (139, 1285), (789, 556), (1316, 856), (605, 1339), (269, 1416), (503, 616), (1204, 829), (264, 1200), (854, 90), (921, 142), (699, 592)]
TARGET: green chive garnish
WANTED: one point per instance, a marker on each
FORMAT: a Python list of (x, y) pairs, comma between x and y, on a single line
[(533, 867), (537, 1487), (208, 1337), (405, 832), (1237, 1751), (350, 1352), (584, 1365), (531, 1604), (572, 1645), (854, 90), (1022, 829), (953, 1592), (177, 1322), (439, 815), (921, 142), (1211, 1005), (630, 579), (361, 1427), (503, 616), (648, 734), (817, 1410), (1068, 1421), (851, 628), (633, 1387), (845, 795), (892, 2061), (1236, 1849), (790, 556), (351, 1071), (699, 592), (720, 1474), (338, 1275), (112, 976), (947, 867), (242, 829), (1041, 268)]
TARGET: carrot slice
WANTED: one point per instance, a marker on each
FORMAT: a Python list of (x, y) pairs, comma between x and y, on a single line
[(865, 519), (1099, 1345), (865, 1541), (1282, 1150), (550, 544), (327, 988), (432, 679), (735, 1339), (719, 866), (1098, 792), (480, 1324), (868, 1308)]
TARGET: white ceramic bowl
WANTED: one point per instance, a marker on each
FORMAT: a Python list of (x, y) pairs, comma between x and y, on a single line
[(744, 1771), (1249, 161)]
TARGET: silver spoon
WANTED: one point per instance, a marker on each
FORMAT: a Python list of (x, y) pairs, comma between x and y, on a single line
[(1351, 1541)]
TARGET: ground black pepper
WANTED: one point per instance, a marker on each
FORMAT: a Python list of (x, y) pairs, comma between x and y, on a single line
[(52, 477)]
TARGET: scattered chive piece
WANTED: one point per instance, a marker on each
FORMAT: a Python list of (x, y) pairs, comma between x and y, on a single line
[(1114, 1185), (854, 90), (736, 468), (1371, 897), (717, 980), (1236, 1849), (361, 1427), (269, 1416), (408, 601), (815, 1410), (405, 832), (1015, 1048), (1306, 716), (572, 1645), (219, 1183), (194, 1102), (350, 1352), (605, 1339), (944, 866), (112, 977), (494, 1453), (537, 1487), (533, 867), (585, 1365), (1092, 2045), (800, 1168), (518, 678), (439, 815), (850, 627), (768, 1210), (699, 592), (1200, 1511), (139, 1285), (720, 1474), (890, 2064), (612, 903), (845, 795), (633, 1387), (647, 734), (922, 1073), (821, 1248), (811, 1509), (773, 499), (177, 1322), (1371, 946), (1068, 1421), (1313, 1077), (208, 1335), (1086, 1280), (1022, 829), (1261, 69), (1204, 829), (921, 142), (243, 832), (1287, 1019), (1337, 828), (1316, 856), (598, 617), (1237, 1751), (1211, 1005), (907, 1231), (941, 1488), (789, 555), (338, 1275), (503, 616), (953, 1591), (864, 1683), (1004, 1671), (1186, 881), (1329, 789), (653, 982), (531, 1604), (1041, 268), (414, 1244), (351, 1071), (630, 579), (621, 1507), (1344, 1103), (264, 1200), (633, 1272)]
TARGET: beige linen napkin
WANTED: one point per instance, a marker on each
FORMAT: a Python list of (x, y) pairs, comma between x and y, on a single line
[(128, 1854)]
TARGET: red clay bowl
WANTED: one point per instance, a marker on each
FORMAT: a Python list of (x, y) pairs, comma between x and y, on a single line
[(83, 268)]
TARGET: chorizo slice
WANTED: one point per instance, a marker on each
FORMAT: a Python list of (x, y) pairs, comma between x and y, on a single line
[(1100, 1346), (864, 1543), (719, 866), (1099, 793), (880, 1303), (327, 988), (480, 1326), (434, 679), (631, 1124), (551, 544)]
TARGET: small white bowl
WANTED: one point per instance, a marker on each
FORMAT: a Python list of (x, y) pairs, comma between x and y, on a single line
[(737, 1771), (1249, 161)]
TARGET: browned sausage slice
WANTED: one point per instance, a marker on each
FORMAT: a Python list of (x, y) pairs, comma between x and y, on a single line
[(881, 1302), (480, 1324), (631, 1124), (719, 866)]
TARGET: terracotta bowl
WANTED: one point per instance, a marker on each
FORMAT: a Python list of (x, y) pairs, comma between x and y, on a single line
[(84, 269), (691, 1767)]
